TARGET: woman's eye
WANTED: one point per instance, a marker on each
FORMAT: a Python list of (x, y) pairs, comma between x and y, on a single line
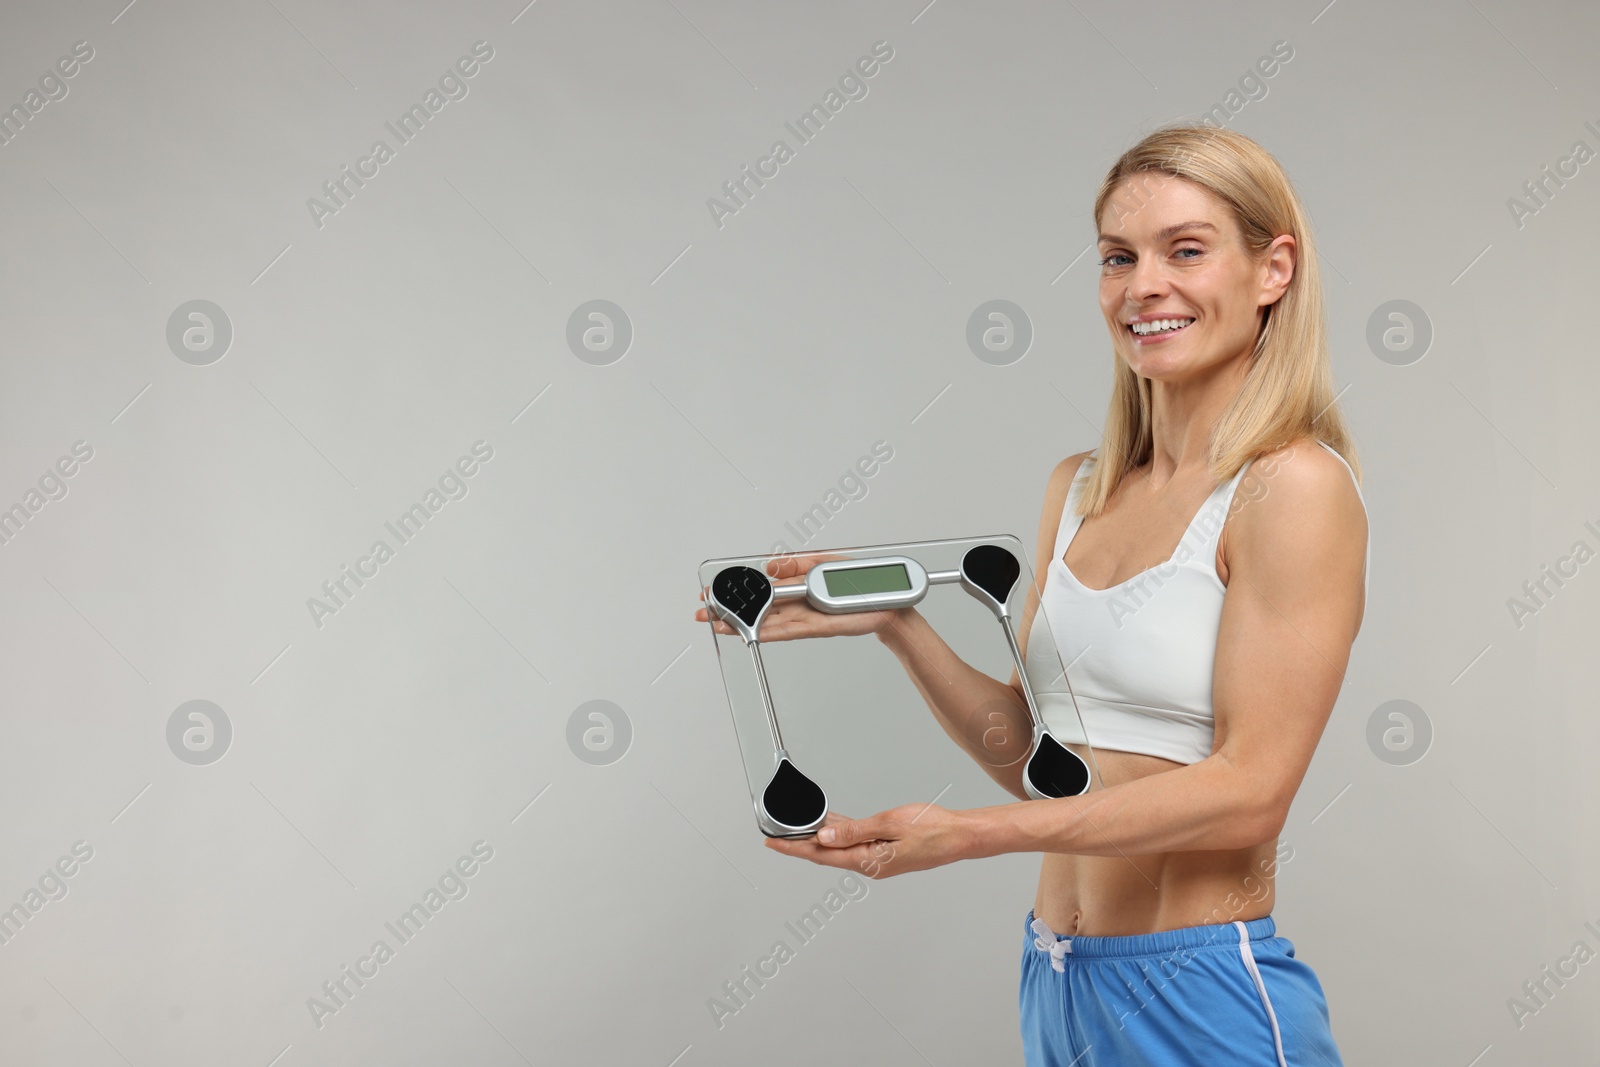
[(1106, 262), (1196, 251)]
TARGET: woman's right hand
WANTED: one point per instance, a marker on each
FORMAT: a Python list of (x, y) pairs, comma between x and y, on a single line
[(791, 619)]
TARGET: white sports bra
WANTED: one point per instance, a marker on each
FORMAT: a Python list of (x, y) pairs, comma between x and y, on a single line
[(1139, 655)]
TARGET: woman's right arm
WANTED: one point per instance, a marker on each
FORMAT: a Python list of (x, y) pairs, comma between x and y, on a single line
[(987, 718)]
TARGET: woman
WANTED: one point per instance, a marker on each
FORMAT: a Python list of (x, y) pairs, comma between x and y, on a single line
[(1204, 673)]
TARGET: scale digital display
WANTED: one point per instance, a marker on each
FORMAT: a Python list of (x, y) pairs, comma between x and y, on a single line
[(850, 581)]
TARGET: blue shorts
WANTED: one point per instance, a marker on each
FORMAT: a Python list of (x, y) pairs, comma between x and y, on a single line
[(1225, 993)]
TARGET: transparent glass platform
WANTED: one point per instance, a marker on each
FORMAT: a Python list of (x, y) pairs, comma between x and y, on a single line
[(852, 719)]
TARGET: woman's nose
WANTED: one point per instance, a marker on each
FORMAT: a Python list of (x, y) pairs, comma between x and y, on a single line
[(1144, 282)]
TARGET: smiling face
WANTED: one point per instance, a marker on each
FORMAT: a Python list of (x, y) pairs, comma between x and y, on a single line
[(1178, 287)]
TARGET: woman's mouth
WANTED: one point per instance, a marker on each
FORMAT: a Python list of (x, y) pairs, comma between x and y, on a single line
[(1157, 330)]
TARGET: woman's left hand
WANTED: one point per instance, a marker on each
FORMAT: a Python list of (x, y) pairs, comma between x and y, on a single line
[(912, 837)]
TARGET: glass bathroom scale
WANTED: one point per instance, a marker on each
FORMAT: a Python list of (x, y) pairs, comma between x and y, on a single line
[(838, 723)]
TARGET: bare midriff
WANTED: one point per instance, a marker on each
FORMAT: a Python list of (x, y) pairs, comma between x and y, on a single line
[(1117, 895)]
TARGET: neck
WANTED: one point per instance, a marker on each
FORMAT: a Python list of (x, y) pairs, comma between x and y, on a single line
[(1183, 413)]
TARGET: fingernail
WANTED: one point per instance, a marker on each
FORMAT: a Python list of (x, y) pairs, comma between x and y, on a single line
[(826, 835)]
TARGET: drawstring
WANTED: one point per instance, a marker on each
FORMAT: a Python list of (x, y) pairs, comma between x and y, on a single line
[(1044, 939)]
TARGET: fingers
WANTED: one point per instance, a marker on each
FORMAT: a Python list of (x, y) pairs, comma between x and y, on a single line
[(792, 567), (840, 833), (797, 565), (827, 857), (717, 625)]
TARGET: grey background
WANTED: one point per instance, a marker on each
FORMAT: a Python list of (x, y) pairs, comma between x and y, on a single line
[(431, 712)]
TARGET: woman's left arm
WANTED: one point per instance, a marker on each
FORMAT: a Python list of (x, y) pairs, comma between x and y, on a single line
[(1295, 555)]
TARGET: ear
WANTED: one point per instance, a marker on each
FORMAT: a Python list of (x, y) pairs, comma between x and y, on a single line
[(1277, 269)]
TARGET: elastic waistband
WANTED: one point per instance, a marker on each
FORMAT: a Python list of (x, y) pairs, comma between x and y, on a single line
[(1162, 942)]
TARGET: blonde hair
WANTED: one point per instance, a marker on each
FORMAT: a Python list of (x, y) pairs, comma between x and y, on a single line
[(1288, 391)]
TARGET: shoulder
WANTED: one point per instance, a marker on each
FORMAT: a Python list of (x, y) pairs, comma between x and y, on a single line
[(1065, 471), (1298, 503), (1305, 474), (1055, 497), (1061, 479)]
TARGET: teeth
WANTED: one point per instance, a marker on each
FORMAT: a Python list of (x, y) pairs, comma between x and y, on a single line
[(1159, 325)]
